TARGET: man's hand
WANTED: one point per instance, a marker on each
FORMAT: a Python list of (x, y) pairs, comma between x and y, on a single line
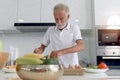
[(37, 50), (40, 49), (55, 54)]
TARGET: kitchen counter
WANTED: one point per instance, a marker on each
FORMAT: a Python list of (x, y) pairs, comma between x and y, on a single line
[(109, 75)]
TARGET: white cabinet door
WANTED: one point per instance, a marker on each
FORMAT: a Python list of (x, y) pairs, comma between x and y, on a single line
[(8, 10), (107, 12), (80, 13), (47, 10), (29, 10)]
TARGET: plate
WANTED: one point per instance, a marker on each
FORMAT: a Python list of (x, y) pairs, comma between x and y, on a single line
[(9, 70), (95, 70)]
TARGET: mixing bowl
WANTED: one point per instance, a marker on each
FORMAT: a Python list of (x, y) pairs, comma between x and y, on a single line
[(39, 72), (3, 59)]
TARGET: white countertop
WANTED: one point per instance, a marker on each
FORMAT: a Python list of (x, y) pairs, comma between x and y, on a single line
[(86, 76)]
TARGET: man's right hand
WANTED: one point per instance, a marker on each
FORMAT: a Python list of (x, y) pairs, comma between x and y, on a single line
[(37, 50), (40, 49)]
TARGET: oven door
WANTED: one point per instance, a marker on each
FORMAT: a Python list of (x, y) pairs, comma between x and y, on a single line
[(112, 61), (108, 37)]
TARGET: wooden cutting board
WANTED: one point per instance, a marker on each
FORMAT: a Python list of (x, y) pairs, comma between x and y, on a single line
[(74, 71)]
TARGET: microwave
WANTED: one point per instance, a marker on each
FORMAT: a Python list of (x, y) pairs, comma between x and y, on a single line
[(108, 37)]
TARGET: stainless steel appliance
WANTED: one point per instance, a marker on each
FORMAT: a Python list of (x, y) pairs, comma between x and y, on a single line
[(108, 46), (108, 37)]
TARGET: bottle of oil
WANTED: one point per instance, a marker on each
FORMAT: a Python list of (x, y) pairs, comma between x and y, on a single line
[(1, 46)]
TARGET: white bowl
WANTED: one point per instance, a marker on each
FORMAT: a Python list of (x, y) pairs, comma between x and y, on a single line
[(95, 70)]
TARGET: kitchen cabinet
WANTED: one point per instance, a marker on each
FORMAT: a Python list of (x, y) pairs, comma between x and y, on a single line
[(80, 13), (107, 12), (28, 11), (8, 10), (42, 11), (36, 10), (47, 10)]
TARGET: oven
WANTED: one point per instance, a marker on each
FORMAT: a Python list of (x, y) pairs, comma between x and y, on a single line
[(108, 47), (111, 56), (112, 61)]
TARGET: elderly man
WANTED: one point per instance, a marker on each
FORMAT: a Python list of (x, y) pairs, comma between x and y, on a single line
[(64, 39)]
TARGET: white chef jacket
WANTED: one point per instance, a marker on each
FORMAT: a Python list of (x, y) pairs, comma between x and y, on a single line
[(66, 38)]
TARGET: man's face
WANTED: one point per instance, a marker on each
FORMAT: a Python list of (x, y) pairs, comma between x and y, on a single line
[(61, 18)]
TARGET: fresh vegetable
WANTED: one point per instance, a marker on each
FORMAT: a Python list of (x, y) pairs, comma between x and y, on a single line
[(28, 60), (93, 67), (37, 59), (53, 61), (102, 65), (34, 55)]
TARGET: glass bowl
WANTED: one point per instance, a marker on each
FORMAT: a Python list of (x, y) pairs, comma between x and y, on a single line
[(39, 72)]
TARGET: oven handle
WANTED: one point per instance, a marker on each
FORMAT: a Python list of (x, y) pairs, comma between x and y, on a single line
[(111, 57)]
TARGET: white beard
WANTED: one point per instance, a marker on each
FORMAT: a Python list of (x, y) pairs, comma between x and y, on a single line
[(59, 26)]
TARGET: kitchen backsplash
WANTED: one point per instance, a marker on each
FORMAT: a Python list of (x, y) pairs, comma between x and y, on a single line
[(19, 44)]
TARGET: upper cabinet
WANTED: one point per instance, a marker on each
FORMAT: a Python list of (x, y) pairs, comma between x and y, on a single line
[(80, 13), (42, 11), (107, 12), (29, 11), (8, 12), (47, 10), (36, 10), (33, 11)]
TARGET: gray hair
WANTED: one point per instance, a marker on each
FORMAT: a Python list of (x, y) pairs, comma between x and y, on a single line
[(61, 7)]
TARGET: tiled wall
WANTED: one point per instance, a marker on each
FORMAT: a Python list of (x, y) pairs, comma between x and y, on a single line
[(22, 43)]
